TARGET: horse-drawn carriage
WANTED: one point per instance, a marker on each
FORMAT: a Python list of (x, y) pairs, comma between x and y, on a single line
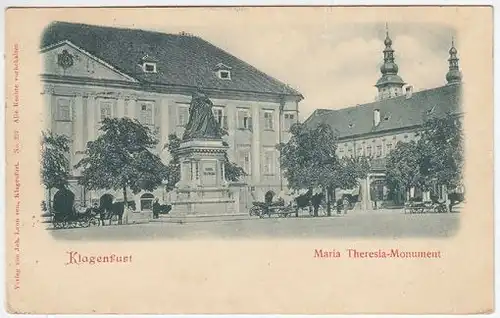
[(306, 201), (278, 208), (74, 218), (425, 207), (66, 215)]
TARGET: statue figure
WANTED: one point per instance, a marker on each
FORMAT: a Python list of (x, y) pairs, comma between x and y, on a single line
[(202, 123)]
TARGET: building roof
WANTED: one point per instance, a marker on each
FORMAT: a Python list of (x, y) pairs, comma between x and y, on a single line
[(182, 59), (395, 113)]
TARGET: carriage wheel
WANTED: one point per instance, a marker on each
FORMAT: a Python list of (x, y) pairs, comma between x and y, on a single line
[(114, 218), (255, 211), (93, 221), (438, 209), (85, 222)]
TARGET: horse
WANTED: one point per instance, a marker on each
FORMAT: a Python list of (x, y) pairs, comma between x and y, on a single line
[(160, 209), (108, 209), (165, 208), (316, 200), (117, 208), (455, 198), (303, 201)]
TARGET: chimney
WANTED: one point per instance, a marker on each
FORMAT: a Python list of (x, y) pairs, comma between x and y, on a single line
[(376, 117), (408, 91)]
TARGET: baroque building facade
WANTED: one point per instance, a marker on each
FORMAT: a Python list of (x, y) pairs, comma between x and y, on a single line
[(372, 130), (93, 72)]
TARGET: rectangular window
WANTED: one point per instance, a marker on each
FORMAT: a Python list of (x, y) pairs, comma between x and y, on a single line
[(359, 151), (183, 115), (146, 113), (388, 148), (218, 114), (268, 120), (244, 119), (368, 151), (105, 109), (244, 160), (64, 109), (349, 152), (269, 162), (379, 151), (289, 121)]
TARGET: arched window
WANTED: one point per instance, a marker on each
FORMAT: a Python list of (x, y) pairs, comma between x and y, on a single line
[(147, 201)]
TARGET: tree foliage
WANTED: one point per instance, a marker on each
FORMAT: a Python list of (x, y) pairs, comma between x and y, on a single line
[(55, 162), (437, 156), (232, 170), (442, 150), (404, 167), (174, 166), (309, 160), (121, 158)]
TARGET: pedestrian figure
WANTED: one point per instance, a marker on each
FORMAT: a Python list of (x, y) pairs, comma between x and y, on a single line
[(156, 209), (346, 204)]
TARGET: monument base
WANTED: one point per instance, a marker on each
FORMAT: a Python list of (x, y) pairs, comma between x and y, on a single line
[(203, 202), (202, 189)]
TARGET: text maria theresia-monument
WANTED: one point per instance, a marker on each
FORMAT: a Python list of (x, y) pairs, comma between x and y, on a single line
[(202, 189)]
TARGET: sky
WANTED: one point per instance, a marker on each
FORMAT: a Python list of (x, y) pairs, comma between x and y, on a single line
[(334, 65), (337, 67)]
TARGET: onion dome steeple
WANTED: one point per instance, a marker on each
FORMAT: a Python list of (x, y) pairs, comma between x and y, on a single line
[(454, 76), (390, 83)]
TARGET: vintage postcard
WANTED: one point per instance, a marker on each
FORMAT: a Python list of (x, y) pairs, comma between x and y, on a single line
[(249, 160)]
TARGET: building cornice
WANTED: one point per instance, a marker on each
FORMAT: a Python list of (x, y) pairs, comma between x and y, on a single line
[(169, 89), (386, 132)]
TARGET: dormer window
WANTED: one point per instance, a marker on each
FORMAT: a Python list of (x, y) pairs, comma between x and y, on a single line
[(148, 64), (223, 71), (149, 67), (225, 75)]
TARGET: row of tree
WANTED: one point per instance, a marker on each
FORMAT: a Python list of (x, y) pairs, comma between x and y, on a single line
[(437, 157), (309, 159), (120, 158)]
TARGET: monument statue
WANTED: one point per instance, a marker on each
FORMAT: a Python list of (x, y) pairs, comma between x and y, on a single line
[(202, 123)]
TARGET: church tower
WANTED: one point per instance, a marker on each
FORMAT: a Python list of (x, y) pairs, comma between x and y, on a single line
[(454, 76), (390, 83)]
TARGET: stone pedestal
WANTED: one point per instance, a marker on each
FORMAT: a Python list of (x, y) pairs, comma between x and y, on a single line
[(202, 189)]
